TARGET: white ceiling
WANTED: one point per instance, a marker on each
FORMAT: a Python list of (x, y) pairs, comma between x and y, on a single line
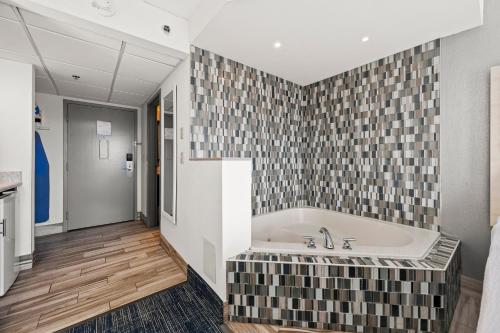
[(319, 39), (322, 38), (65, 50), (180, 8)]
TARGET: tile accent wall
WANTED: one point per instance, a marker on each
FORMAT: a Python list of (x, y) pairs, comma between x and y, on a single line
[(372, 139), (355, 294), (239, 111), (364, 142)]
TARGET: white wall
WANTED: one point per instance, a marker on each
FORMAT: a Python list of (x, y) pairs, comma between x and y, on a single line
[(52, 139), (198, 215), (17, 141), (211, 196), (466, 59), (52, 109)]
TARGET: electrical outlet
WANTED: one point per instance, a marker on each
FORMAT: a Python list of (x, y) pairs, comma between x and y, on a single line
[(182, 133)]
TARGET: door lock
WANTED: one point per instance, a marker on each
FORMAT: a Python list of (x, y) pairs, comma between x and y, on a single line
[(130, 162)]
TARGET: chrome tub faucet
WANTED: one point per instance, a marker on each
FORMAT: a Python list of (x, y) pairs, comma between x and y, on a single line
[(328, 238)]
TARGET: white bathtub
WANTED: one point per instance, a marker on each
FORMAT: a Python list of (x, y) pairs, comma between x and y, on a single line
[(284, 231)]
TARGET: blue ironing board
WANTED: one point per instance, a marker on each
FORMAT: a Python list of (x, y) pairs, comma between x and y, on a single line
[(42, 182)]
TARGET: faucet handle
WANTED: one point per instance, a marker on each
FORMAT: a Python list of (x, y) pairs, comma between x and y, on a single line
[(311, 244), (347, 243)]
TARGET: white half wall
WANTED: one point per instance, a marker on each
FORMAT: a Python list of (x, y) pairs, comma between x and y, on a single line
[(53, 142), (17, 82), (236, 207), (213, 199)]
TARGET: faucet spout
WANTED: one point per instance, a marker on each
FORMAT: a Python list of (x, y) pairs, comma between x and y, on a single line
[(328, 238)]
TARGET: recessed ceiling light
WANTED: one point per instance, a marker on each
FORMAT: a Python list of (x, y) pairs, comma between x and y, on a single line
[(277, 44), (365, 39)]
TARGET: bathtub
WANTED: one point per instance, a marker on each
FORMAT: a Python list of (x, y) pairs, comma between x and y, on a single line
[(284, 231)]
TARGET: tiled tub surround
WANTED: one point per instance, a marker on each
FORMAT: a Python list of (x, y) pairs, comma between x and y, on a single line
[(352, 294), (372, 137), (364, 142), (239, 111)]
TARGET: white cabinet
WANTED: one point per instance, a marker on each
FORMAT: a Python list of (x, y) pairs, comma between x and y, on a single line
[(8, 271)]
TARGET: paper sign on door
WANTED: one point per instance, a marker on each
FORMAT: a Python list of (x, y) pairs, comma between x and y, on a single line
[(103, 128)]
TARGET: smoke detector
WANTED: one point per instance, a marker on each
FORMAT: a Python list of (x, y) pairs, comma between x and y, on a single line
[(104, 7)]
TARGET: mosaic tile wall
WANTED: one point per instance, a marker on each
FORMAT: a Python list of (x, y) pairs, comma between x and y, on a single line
[(356, 294), (364, 142), (239, 111), (372, 137)]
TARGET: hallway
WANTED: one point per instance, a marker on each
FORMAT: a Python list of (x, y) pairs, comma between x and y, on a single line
[(84, 273)]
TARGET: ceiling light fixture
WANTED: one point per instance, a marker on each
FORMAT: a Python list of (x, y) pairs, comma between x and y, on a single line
[(365, 39), (277, 44), (75, 77), (104, 7)]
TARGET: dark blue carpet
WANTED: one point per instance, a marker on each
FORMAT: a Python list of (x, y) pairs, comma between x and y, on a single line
[(179, 309)]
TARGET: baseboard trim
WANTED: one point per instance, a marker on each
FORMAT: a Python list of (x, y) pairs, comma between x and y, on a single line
[(144, 218), (471, 285), (25, 262), (173, 253), (49, 229)]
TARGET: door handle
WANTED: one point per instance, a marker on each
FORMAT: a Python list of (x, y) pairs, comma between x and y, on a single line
[(4, 227)]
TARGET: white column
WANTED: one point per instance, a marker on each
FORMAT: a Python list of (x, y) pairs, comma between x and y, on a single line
[(17, 142)]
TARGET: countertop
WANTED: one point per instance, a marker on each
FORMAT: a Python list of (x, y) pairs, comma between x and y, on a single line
[(9, 180)]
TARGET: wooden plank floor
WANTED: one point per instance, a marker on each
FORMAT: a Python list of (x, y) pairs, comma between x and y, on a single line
[(80, 274), (466, 313), (234, 327)]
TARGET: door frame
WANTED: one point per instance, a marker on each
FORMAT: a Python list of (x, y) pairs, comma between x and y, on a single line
[(66, 103), (152, 215), (170, 88)]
